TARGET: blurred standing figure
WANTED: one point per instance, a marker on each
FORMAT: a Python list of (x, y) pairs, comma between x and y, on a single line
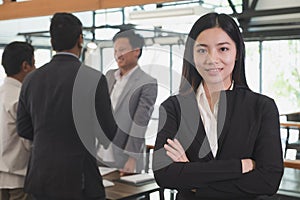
[(57, 108), (18, 61), (133, 94), (217, 139)]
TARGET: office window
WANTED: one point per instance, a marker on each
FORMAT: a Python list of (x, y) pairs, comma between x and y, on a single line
[(108, 59), (155, 61), (281, 73), (252, 65), (177, 60), (85, 17), (109, 16), (42, 56)]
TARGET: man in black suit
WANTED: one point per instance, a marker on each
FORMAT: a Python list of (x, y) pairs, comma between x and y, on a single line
[(60, 107)]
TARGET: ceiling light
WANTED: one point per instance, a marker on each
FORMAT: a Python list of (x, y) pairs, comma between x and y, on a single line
[(168, 12), (91, 45)]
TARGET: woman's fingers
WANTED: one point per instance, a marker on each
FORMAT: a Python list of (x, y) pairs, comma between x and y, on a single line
[(179, 146), (175, 144), (175, 151), (170, 149), (172, 156)]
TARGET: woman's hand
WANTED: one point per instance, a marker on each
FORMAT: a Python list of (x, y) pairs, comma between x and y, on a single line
[(175, 151), (247, 165)]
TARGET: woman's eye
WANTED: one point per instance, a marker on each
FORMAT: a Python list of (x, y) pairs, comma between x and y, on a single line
[(201, 51), (224, 49)]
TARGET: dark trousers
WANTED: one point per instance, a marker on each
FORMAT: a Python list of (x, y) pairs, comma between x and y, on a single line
[(83, 197), (18, 193)]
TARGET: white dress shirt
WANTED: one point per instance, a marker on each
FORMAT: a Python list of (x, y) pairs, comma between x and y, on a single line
[(209, 118), (14, 150), (119, 85)]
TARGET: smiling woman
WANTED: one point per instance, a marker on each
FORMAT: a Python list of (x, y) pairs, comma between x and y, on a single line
[(214, 57), (214, 136)]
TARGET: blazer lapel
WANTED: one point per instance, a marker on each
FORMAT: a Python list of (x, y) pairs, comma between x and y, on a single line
[(133, 79), (224, 116), (189, 120), (111, 86), (226, 105), (223, 125), (111, 81), (192, 128)]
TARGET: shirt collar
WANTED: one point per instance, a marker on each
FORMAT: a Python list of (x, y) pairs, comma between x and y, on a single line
[(126, 76), (232, 84), (12, 81), (201, 88), (66, 53)]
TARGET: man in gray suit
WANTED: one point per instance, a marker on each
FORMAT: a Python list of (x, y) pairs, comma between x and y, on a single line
[(133, 94)]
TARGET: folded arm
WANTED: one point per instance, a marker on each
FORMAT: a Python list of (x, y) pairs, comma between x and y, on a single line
[(220, 178)]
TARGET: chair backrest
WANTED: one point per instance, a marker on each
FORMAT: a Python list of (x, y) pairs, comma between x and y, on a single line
[(293, 117), (149, 151)]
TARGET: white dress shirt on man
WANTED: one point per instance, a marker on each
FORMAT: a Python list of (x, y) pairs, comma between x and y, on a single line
[(14, 150), (119, 85)]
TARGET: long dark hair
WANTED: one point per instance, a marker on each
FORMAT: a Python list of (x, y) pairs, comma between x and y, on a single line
[(190, 76)]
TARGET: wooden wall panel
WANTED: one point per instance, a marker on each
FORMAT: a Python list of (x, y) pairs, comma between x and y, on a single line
[(34, 8)]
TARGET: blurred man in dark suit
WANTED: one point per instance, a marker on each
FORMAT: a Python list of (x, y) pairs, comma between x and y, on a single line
[(58, 106)]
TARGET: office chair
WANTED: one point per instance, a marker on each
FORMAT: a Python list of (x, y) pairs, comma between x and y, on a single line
[(294, 117), (149, 150)]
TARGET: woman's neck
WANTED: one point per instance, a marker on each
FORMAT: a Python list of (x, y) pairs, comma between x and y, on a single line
[(212, 92)]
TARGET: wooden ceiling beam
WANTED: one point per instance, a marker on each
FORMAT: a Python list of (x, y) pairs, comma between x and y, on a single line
[(35, 8)]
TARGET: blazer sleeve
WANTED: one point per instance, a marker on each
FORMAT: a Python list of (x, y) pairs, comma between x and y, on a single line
[(141, 116), (24, 121), (104, 111), (223, 178), (266, 177), (191, 175)]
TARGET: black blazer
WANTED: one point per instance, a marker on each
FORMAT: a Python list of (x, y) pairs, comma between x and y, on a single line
[(248, 127), (59, 108)]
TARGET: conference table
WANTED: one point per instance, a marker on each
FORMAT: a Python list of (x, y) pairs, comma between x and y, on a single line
[(288, 125), (125, 191)]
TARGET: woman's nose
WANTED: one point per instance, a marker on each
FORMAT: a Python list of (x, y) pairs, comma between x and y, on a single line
[(213, 57)]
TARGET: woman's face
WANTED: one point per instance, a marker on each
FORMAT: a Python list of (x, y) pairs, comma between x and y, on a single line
[(214, 57)]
